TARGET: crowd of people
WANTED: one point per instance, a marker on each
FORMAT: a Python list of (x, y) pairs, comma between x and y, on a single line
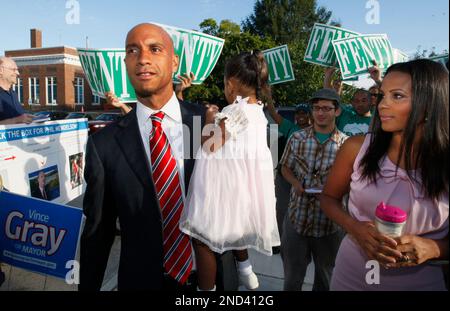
[(188, 215)]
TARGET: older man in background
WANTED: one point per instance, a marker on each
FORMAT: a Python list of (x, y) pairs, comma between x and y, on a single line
[(11, 111)]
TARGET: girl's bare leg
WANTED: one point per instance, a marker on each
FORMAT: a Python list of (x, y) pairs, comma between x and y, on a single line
[(206, 266)]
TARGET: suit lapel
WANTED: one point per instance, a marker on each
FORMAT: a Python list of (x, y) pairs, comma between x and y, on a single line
[(130, 142), (191, 138)]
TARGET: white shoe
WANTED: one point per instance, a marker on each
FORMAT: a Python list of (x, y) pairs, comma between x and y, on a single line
[(250, 281)]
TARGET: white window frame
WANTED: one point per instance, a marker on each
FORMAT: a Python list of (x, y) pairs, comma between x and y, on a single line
[(35, 100), (53, 83), (95, 100), (77, 85), (17, 88)]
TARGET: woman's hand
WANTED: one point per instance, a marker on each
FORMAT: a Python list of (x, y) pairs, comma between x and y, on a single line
[(377, 246), (415, 250)]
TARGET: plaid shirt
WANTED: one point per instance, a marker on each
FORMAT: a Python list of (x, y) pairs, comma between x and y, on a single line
[(310, 162)]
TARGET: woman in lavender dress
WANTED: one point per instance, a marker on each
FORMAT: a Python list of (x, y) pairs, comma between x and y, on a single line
[(403, 162)]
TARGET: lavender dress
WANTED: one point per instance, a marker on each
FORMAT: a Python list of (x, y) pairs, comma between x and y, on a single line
[(426, 218)]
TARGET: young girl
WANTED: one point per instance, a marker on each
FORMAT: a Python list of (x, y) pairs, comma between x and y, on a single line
[(231, 198)]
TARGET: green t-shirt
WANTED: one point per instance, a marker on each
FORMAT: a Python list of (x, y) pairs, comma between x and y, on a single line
[(287, 128), (322, 137), (351, 123)]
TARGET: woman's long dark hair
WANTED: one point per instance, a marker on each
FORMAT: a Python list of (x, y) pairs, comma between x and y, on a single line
[(430, 101), (250, 68)]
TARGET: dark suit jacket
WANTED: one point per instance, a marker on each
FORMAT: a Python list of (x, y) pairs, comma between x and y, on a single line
[(119, 184), (36, 193)]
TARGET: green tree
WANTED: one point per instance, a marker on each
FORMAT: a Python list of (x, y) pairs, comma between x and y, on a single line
[(285, 20)]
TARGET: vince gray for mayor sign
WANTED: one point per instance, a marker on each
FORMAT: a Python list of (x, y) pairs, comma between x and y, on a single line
[(105, 68), (279, 64), (355, 54), (320, 48)]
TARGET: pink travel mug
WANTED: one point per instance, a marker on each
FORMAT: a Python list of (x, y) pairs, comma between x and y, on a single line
[(390, 220)]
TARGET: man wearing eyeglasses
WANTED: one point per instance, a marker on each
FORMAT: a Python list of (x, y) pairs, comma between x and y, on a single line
[(11, 111), (306, 161)]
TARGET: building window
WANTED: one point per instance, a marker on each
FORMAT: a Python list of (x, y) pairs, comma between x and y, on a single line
[(79, 91), (33, 91), (18, 88), (95, 100), (51, 90)]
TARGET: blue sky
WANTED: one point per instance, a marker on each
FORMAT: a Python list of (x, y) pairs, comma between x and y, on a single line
[(408, 23)]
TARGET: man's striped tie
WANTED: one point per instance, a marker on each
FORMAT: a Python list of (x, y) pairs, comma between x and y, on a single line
[(177, 245)]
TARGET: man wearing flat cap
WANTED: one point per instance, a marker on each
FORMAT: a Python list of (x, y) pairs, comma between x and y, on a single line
[(306, 161)]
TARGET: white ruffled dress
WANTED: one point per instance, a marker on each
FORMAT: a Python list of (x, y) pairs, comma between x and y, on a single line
[(231, 198)]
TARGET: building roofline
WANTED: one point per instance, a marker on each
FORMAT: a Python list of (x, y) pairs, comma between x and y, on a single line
[(44, 48)]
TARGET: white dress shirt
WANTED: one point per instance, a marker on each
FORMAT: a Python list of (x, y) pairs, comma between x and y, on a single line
[(172, 126)]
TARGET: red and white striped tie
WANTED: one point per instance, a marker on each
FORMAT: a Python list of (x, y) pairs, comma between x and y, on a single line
[(177, 245)]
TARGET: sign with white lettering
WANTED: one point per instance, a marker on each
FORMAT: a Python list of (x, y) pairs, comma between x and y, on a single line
[(320, 48), (279, 64), (44, 160), (105, 71), (198, 52), (355, 55), (38, 235)]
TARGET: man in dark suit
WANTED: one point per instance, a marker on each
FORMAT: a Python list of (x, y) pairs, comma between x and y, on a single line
[(42, 191), (122, 163)]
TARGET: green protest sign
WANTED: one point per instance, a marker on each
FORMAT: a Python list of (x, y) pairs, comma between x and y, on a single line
[(198, 52), (279, 64), (355, 55), (105, 71), (443, 59), (320, 48)]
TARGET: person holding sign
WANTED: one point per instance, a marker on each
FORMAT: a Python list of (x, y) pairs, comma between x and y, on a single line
[(395, 164), (231, 199), (138, 170), (356, 120), (11, 111), (305, 164), (330, 83)]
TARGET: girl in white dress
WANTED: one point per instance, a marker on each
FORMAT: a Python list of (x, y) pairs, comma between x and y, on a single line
[(230, 204)]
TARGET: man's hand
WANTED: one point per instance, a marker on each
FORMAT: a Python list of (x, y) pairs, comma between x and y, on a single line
[(375, 73), (24, 118), (299, 190), (186, 82)]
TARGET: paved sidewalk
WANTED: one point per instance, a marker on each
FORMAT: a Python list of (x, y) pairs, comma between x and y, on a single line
[(268, 269)]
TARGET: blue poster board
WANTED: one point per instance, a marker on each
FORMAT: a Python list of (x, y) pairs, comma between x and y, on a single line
[(38, 235)]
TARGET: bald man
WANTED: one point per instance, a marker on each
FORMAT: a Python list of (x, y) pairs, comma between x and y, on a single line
[(11, 111), (138, 170)]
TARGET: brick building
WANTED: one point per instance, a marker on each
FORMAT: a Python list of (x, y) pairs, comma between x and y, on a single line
[(52, 78)]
